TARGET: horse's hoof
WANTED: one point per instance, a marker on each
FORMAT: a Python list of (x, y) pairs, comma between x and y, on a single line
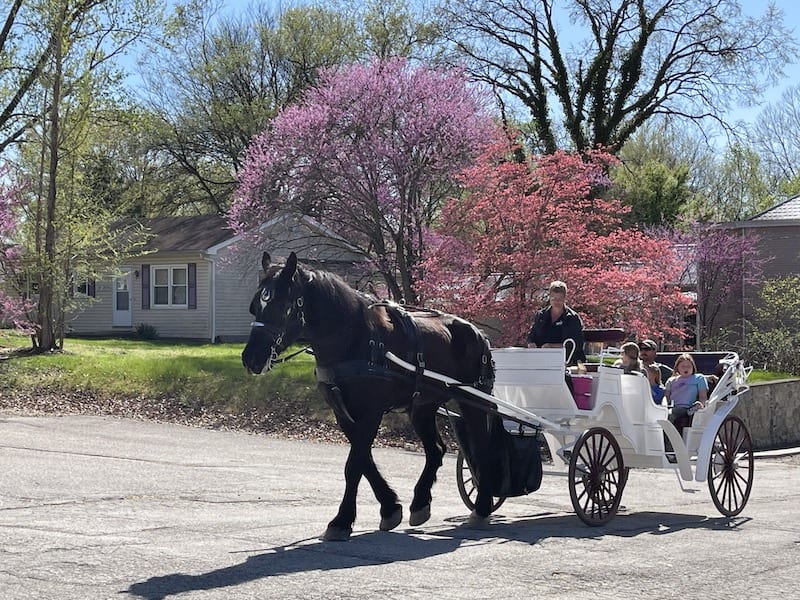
[(476, 521), (336, 534), (420, 516), (393, 520)]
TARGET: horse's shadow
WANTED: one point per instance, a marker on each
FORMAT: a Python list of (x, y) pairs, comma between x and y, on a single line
[(376, 548), (368, 549)]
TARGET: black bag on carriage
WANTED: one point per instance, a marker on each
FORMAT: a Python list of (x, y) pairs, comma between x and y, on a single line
[(516, 458)]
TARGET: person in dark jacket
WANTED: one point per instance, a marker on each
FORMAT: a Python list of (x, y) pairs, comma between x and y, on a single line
[(557, 322)]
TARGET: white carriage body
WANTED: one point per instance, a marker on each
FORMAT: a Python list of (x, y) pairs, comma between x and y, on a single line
[(531, 386), (612, 425)]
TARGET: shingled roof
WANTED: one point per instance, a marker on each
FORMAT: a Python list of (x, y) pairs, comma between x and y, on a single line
[(785, 211), (186, 234)]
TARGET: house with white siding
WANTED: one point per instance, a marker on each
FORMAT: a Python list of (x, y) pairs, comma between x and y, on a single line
[(195, 278)]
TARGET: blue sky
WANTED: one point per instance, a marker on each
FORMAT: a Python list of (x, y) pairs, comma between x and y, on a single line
[(791, 13)]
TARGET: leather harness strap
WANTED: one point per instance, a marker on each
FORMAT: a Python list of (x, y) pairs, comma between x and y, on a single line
[(375, 366)]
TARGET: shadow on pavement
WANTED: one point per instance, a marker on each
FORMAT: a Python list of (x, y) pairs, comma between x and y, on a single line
[(373, 548), (534, 528)]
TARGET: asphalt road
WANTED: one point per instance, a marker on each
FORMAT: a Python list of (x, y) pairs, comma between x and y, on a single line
[(106, 508)]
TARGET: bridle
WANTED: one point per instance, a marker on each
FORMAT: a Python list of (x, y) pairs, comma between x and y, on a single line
[(277, 334)]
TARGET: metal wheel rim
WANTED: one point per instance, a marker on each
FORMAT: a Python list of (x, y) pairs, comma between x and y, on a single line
[(730, 470), (468, 487), (597, 477)]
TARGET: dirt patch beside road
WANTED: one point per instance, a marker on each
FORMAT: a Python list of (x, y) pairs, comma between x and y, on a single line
[(281, 423)]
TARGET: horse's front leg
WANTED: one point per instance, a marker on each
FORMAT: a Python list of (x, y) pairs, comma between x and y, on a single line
[(361, 435), (341, 526), (423, 418)]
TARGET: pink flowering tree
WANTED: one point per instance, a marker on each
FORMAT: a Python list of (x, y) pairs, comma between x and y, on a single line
[(14, 310), (522, 225), (371, 152)]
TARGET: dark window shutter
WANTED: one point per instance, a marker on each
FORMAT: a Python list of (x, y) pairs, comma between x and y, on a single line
[(146, 287), (91, 288), (191, 280)]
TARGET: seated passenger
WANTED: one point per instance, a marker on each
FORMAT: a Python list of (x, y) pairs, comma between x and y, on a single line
[(713, 380), (686, 391), (629, 360), (557, 322), (647, 350), (656, 388)]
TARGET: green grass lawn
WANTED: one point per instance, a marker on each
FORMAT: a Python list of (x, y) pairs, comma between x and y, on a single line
[(210, 374)]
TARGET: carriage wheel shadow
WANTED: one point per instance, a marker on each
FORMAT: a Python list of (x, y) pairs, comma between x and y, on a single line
[(362, 550), (536, 527), (377, 548)]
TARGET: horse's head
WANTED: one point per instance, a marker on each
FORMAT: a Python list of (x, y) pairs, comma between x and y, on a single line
[(277, 310)]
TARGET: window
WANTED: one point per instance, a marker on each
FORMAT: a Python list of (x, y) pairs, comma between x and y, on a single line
[(82, 286), (170, 286)]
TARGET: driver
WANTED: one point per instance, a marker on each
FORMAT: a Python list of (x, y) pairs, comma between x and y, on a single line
[(557, 322)]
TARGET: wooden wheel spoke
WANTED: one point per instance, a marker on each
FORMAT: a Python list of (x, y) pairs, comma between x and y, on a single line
[(595, 471), (730, 470)]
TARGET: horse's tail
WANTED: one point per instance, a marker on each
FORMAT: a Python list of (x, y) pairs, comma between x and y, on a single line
[(478, 355)]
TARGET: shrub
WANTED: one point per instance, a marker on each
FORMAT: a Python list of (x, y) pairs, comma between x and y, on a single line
[(145, 331)]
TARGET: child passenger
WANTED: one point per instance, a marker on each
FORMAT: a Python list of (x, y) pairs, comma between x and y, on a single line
[(685, 391), (629, 359), (656, 388)]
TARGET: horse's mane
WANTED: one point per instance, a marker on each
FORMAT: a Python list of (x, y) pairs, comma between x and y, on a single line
[(332, 287)]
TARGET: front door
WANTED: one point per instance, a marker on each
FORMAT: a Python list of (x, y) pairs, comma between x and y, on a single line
[(122, 299)]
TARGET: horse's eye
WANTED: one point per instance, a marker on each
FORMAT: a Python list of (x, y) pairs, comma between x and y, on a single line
[(266, 295)]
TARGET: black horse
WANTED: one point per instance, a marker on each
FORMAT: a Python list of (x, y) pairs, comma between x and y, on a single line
[(350, 333)]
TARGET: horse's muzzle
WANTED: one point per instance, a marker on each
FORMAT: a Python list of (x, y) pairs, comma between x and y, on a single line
[(252, 362), (254, 370)]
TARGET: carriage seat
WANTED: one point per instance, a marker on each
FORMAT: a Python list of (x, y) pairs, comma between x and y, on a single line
[(630, 394), (605, 336), (534, 379)]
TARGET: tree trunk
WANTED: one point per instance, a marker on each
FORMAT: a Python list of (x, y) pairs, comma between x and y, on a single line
[(47, 333)]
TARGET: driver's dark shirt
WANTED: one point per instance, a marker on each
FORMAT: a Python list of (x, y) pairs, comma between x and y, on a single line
[(568, 326)]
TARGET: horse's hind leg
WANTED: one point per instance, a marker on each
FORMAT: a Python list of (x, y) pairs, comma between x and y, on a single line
[(423, 418), (476, 425)]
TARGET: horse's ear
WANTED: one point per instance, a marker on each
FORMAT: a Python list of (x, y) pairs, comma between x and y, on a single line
[(266, 259), (290, 269)]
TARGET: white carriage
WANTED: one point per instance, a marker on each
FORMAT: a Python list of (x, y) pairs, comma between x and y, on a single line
[(608, 423)]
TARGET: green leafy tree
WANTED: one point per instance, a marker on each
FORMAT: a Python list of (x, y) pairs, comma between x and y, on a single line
[(654, 192), (220, 81), (393, 28), (77, 77), (774, 338)]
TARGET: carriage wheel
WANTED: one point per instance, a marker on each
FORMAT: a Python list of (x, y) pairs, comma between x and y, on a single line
[(597, 476), (467, 486), (730, 470)]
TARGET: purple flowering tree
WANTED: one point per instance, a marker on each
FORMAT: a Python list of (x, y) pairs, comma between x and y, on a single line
[(719, 264), (372, 152), (14, 310)]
